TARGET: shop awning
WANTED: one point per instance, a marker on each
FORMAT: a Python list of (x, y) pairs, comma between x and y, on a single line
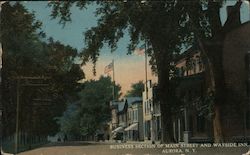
[(133, 126), (117, 129)]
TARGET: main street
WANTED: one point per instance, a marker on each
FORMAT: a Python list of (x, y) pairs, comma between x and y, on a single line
[(108, 148)]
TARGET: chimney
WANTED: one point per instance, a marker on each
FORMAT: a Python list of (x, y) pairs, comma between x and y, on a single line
[(233, 15)]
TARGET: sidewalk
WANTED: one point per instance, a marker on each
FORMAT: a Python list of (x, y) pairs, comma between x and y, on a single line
[(142, 142), (129, 141), (3, 153)]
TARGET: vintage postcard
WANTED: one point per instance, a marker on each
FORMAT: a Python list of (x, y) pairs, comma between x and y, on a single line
[(125, 77)]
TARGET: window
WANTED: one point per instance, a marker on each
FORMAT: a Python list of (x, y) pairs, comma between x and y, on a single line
[(136, 115), (194, 66), (200, 64), (182, 71), (201, 124), (120, 118), (150, 105), (191, 122)]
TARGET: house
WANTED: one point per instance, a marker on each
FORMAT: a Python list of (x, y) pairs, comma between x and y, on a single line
[(151, 113), (191, 123), (115, 107), (236, 62)]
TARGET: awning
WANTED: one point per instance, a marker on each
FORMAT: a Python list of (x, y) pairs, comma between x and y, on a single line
[(133, 126), (117, 129)]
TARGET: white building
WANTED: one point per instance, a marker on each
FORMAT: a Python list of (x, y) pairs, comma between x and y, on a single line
[(151, 114)]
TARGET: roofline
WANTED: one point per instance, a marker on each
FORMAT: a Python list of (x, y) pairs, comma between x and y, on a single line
[(238, 27)]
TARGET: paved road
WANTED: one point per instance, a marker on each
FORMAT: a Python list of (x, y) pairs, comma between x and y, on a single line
[(83, 148)]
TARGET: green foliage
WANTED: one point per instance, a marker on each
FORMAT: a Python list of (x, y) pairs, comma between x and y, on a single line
[(87, 115), (161, 24), (164, 25), (69, 122), (24, 54), (144, 21), (205, 105), (136, 90)]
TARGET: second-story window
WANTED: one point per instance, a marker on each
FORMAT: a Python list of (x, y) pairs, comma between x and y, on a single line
[(135, 117), (182, 71), (194, 66), (150, 105), (200, 64)]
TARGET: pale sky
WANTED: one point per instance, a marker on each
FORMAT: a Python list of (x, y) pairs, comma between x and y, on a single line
[(128, 68)]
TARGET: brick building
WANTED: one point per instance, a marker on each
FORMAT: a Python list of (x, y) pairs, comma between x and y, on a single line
[(236, 62)]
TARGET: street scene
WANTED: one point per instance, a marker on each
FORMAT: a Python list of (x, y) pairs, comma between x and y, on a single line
[(125, 77)]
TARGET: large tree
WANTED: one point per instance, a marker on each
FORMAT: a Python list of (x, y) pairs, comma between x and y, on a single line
[(136, 90), (91, 111), (156, 23), (164, 26), (26, 55)]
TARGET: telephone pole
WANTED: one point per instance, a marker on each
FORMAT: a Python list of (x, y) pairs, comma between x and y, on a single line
[(18, 87)]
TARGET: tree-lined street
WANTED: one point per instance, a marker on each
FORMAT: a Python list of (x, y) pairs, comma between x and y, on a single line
[(198, 54)]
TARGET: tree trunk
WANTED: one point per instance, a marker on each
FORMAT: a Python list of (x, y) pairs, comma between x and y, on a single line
[(163, 57), (215, 54), (218, 136), (163, 68), (166, 112), (216, 82)]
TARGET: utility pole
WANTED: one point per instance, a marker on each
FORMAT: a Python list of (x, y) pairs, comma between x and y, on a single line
[(18, 86), (146, 70), (113, 65), (151, 102)]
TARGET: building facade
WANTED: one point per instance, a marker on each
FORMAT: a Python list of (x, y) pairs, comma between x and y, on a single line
[(236, 64), (134, 129), (126, 119), (151, 113), (192, 123)]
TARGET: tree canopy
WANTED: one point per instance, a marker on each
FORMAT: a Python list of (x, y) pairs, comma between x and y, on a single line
[(86, 115), (136, 90), (160, 24), (26, 53), (165, 26)]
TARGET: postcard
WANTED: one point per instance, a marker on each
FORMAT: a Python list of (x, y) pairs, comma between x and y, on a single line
[(125, 77)]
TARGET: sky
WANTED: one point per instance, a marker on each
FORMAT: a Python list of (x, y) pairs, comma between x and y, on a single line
[(128, 68)]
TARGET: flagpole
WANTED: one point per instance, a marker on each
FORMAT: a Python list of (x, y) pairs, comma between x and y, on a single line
[(113, 79), (146, 72)]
